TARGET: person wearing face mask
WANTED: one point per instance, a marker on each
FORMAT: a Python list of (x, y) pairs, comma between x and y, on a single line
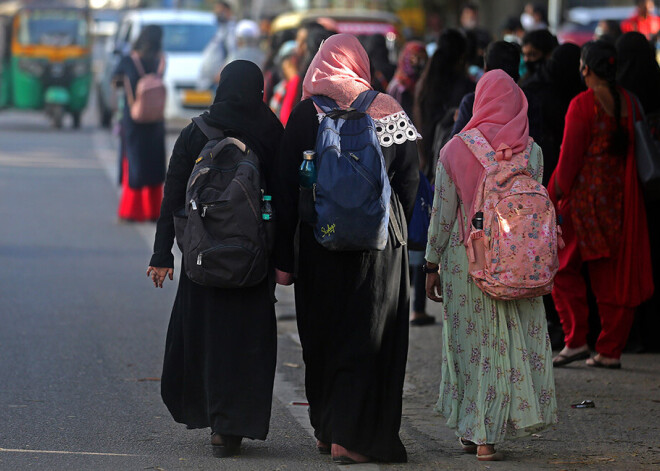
[(219, 48), (470, 25), (534, 17), (537, 46), (644, 20)]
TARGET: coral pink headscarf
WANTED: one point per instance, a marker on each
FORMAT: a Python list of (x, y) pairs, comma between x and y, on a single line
[(340, 70), (500, 114)]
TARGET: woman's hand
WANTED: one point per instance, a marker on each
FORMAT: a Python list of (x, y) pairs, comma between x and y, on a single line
[(283, 278), (434, 287), (158, 275)]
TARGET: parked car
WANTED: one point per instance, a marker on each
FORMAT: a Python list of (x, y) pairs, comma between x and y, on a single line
[(185, 35), (582, 22)]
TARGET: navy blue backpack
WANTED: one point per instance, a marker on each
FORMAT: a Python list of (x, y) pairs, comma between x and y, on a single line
[(418, 227), (352, 194)]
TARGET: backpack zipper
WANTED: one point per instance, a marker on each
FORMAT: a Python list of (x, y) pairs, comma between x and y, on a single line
[(247, 196)]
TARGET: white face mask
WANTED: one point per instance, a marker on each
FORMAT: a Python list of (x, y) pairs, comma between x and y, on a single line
[(512, 38), (527, 21)]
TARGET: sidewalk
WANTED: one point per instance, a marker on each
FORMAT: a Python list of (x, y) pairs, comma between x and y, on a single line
[(621, 433)]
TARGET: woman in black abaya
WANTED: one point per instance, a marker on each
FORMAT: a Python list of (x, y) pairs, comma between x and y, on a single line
[(220, 350), (351, 306)]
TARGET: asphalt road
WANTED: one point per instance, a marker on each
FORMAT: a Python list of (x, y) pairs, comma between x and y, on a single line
[(82, 336)]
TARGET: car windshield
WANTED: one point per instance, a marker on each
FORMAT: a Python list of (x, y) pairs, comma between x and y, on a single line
[(53, 28), (191, 37)]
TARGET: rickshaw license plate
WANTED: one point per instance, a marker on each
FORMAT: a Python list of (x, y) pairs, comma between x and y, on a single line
[(197, 98)]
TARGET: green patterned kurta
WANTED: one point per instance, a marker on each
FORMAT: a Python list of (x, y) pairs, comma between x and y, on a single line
[(497, 378)]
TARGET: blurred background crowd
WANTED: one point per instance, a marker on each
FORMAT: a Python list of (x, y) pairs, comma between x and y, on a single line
[(61, 56)]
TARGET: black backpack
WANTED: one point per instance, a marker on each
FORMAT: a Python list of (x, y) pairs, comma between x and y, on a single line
[(225, 240)]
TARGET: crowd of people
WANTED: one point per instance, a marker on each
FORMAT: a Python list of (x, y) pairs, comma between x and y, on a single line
[(569, 110)]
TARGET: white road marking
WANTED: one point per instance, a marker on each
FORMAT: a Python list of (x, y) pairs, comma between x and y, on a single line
[(59, 452)]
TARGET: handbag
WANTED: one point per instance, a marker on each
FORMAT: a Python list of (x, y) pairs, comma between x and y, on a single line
[(647, 155)]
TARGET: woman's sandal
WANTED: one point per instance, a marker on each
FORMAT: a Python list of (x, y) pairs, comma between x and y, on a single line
[(594, 363), (497, 456), (494, 456), (563, 360), (467, 445), (342, 456), (323, 448), (225, 445)]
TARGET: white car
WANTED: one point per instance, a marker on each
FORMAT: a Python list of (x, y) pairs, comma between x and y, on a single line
[(185, 35)]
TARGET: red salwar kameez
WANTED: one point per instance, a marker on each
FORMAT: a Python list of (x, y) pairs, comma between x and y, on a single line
[(604, 226), (141, 204)]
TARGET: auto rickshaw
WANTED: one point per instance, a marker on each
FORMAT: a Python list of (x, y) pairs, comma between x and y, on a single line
[(45, 61)]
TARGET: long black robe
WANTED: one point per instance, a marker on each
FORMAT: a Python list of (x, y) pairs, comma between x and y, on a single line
[(352, 308), (221, 345)]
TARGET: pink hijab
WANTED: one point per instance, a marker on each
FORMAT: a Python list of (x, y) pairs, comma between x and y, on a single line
[(500, 114), (340, 70)]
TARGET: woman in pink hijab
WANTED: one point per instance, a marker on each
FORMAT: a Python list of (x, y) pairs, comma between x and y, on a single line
[(497, 379), (351, 306)]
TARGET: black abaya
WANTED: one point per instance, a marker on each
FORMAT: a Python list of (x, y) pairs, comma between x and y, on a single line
[(221, 344), (352, 308)]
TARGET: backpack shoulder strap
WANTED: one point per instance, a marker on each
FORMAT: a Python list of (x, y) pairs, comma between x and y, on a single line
[(364, 100), (138, 63), (161, 66), (479, 146), (209, 131), (326, 104)]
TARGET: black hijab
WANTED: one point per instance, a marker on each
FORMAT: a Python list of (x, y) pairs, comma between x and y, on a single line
[(239, 107), (638, 70), (563, 70)]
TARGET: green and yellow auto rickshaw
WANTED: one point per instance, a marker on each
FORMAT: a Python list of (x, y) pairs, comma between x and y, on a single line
[(46, 59)]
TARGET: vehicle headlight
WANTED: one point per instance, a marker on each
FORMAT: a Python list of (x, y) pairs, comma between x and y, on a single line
[(33, 67), (81, 68)]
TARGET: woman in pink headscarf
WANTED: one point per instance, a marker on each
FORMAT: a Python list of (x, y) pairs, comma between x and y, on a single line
[(351, 306), (497, 379)]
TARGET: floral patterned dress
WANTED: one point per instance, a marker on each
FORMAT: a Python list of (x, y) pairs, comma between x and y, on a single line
[(497, 379)]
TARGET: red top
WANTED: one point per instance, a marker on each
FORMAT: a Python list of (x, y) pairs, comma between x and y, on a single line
[(603, 198), (647, 26)]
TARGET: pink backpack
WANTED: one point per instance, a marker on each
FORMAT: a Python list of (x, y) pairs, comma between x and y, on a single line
[(514, 256), (148, 105)]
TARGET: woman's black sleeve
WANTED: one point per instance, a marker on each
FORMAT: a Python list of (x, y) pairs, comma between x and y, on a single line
[(406, 175), (181, 164), (299, 135)]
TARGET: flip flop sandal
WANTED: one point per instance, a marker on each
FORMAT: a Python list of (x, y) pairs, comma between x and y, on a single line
[(563, 360), (344, 460), (322, 447), (468, 446), (497, 456), (599, 364)]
